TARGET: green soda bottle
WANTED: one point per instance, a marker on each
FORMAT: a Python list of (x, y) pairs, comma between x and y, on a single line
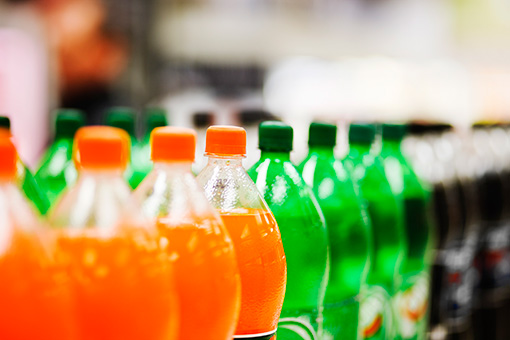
[(154, 117), (57, 170), (26, 181), (349, 232), (377, 316), (304, 234), (412, 301), (124, 118)]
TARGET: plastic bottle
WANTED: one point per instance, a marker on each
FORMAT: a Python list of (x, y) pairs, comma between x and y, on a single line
[(34, 300), (303, 229), (206, 271), (253, 229), (349, 232), (121, 281), (57, 169), (124, 118), (26, 180), (377, 319), (412, 304)]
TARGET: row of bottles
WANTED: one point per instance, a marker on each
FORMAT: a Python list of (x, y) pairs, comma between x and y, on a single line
[(469, 173), (329, 249)]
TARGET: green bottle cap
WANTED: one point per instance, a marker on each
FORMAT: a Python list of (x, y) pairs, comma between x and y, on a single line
[(68, 122), (394, 132), (361, 133), (123, 118), (5, 122), (155, 117), (322, 134), (275, 136)]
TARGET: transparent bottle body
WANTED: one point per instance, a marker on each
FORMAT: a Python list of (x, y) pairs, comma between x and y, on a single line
[(387, 249), (205, 266), (413, 295), (349, 237), (121, 282), (33, 288), (257, 242)]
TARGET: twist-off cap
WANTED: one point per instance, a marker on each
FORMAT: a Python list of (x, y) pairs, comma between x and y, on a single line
[(122, 118), (275, 136), (173, 144), (225, 140), (5, 122), (8, 155), (322, 134), (68, 122), (394, 132), (156, 117), (361, 133), (102, 147)]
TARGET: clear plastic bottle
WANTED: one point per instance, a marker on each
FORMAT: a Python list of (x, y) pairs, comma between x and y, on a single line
[(253, 230), (206, 271), (121, 281), (32, 289)]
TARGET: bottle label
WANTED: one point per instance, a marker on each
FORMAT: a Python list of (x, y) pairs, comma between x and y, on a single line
[(299, 328), (259, 336), (412, 306), (341, 319), (494, 258), (375, 313)]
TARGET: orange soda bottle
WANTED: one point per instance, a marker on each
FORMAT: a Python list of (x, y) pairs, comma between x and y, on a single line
[(205, 267), (33, 294), (253, 229), (121, 282)]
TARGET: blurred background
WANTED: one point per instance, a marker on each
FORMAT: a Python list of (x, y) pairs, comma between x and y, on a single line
[(244, 61), (232, 61)]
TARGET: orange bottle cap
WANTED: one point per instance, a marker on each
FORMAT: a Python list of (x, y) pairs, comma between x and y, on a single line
[(226, 140), (8, 155), (170, 143), (102, 147)]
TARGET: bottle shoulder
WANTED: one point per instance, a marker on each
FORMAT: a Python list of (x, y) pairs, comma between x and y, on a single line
[(229, 188), (285, 190), (176, 196), (98, 202)]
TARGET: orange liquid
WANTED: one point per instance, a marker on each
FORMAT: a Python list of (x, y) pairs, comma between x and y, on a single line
[(122, 287), (262, 266), (207, 279), (33, 293)]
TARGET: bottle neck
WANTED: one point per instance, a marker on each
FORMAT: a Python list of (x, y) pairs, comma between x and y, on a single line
[(391, 145), (102, 172), (359, 149), (230, 160), (326, 151), (281, 155), (63, 138), (172, 166)]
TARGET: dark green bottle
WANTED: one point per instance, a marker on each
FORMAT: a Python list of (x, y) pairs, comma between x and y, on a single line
[(304, 233), (154, 117), (26, 180), (377, 315), (349, 232), (125, 118), (412, 303), (57, 170)]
